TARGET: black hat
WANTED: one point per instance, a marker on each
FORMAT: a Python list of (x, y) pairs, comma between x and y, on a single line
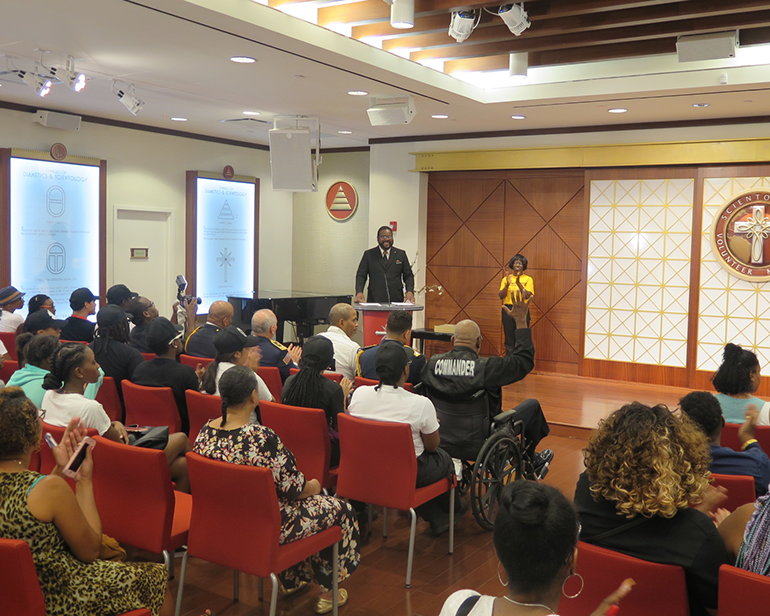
[(9, 294), (231, 339), (79, 298), (318, 353), (390, 359), (110, 315), (160, 333), (119, 293), (42, 319)]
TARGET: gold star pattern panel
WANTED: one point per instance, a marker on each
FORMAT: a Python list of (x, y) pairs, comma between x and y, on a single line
[(731, 309), (639, 271)]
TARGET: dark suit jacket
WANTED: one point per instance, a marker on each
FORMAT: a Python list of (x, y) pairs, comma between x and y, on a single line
[(396, 271)]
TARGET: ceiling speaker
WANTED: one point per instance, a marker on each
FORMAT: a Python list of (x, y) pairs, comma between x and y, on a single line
[(291, 160), (63, 121), (712, 46), (385, 113)]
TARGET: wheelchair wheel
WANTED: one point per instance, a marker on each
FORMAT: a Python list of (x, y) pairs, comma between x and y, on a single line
[(498, 463)]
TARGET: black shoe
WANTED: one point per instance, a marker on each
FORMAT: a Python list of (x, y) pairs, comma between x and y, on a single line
[(542, 462), (439, 527)]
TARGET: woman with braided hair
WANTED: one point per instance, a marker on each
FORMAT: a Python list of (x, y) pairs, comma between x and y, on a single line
[(235, 439)]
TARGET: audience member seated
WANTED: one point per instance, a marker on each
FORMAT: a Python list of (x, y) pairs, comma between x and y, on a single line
[(142, 312), (264, 326), (534, 519), (11, 299), (110, 345), (703, 409), (41, 301), (201, 342), (41, 322), (234, 348), (62, 527), (736, 380), (309, 388), (78, 327), (343, 323), (121, 296), (389, 401), (35, 356), (398, 328), (165, 339), (645, 468), (73, 366), (232, 438), (754, 552)]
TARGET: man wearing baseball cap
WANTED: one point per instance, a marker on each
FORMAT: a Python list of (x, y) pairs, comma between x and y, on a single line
[(78, 327), (41, 322), (11, 299), (120, 295)]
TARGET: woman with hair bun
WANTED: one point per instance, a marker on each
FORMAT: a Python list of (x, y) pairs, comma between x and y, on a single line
[(536, 534), (736, 380)]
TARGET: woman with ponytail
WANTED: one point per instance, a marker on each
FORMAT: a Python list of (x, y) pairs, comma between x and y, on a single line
[(235, 439), (736, 380)]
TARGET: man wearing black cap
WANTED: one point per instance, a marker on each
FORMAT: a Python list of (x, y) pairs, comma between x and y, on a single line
[(389, 401), (143, 311), (78, 327), (165, 339), (11, 299), (41, 322), (120, 295), (233, 348), (110, 345)]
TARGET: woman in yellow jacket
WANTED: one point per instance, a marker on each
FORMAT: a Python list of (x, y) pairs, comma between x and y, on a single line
[(515, 286)]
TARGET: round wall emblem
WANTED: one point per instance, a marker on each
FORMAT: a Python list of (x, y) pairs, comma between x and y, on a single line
[(341, 201), (741, 236), (58, 151), (228, 172)]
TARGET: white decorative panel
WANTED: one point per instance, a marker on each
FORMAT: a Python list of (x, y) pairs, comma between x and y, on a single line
[(731, 309), (639, 271)]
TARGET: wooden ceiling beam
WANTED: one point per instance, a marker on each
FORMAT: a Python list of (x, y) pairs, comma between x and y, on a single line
[(364, 12), (422, 24)]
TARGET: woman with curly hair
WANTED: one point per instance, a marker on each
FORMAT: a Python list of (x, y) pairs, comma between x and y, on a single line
[(645, 467), (736, 380)]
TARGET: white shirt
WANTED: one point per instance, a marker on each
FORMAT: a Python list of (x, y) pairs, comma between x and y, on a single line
[(10, 321), (264, 392), (396, 404), (60, 408), (484, 606), (3, 350), (345, 351)]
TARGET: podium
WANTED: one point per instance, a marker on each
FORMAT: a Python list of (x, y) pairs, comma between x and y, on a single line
[(374, 317)]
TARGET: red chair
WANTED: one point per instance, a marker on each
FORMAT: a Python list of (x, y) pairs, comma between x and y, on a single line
[(305, 433), (730, 437), (236, 524), (332, 376), (150, 406), (272, 378), (9, 367), (659, 589), (741, 592), (378, 466), (149, 356), (136, 501), (361, 381), (47, 462), (109, 398), (201, 408), (740, 489), (20, 592), (192, 361), (9, 340)]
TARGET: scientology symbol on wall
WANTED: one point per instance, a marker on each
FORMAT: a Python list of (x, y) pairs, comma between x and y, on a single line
[(741, 236)]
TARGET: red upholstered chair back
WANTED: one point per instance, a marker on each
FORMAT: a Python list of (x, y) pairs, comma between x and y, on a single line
[(20, 592), (46, 457), (304, 432), (9, 367), (730, 437), (9, 340), (272, 378), (150, 406), (360, 381), (377, 462), (108, 397), (742, 592), (659, 589), (192, 361), (149, 356), (235, 518), (201, 408), (133, 492), (740, 489), (332, 376)]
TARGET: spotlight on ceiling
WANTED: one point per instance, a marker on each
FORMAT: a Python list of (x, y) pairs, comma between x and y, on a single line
[(402, 14), (461, 24), (515, 17), (127, 97), (75, 81), (41, 85), (518, 63)]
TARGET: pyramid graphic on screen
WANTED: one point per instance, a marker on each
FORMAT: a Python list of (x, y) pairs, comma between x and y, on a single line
[(340, 201), (226, 213)]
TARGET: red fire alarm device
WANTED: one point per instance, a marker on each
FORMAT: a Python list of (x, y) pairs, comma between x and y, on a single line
[(393, 224)]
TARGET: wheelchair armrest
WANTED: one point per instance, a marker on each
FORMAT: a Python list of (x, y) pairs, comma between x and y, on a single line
[(504, 416)]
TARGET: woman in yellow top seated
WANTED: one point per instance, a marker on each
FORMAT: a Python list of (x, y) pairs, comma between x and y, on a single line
[(515, 286)]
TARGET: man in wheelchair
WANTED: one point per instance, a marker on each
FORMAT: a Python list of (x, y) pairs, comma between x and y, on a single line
[(466, 391)]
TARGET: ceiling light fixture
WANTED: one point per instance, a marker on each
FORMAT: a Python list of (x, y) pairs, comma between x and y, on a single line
[(345, 132), (243, 59), (402, 14), (358, 93), (251, 113), (439, 116), (462, 23), (518, 117), (518, 63), (127, 97), (75, 80), (179, 119), (515, 17), (701, 105), (617, 110), (40, 85)]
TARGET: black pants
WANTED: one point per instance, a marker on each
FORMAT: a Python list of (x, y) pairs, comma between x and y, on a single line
[(509, 329), (535, 426), (432, 466)]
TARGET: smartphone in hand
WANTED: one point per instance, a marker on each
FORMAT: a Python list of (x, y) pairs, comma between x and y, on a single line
[(72, 467)]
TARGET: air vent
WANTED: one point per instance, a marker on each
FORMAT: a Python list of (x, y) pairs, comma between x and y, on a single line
[(246, 121)]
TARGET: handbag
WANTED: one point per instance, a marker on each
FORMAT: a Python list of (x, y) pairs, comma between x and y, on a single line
[(155, 437)]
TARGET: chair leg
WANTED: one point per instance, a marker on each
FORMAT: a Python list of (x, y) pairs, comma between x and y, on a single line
[(452, 521), (261, 589), (236, 585), (335, 578), (410, 557), (168, 560), (273, 594), (180, 589), (384, 522)]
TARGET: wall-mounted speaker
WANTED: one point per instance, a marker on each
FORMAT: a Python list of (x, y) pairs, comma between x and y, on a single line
[(712, 46), (391, 113), (291, 160), (63, 121)]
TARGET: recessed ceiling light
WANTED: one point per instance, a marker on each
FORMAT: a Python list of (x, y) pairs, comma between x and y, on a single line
[(439, 116), (617, 110), (701, 105), (345, 132), (179, 119), (251, 113), (243, 59), (518, 117), (358, 92)]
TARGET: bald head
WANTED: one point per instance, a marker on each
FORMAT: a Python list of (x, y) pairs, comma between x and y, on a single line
[(221, 313), (264, 323), (345, 317), (467, 333)]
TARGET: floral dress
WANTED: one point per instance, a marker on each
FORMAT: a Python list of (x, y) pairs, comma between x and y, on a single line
[(256, 445), (70, 586)]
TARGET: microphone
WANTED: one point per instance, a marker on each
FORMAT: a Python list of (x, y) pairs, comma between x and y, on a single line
[(387, 289)]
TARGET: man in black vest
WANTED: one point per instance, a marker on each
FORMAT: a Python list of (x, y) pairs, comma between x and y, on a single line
[(388, 271)]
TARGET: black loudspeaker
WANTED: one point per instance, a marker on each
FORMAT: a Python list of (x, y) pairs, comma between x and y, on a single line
[(291, 160)]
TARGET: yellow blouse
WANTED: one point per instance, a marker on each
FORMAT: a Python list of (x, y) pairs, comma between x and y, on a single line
[(526, 282)]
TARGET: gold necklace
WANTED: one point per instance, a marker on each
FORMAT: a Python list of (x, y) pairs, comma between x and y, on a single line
[(521, 604)]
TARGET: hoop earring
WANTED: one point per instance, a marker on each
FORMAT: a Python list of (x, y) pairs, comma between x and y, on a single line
[(582, 583), (500, 578)]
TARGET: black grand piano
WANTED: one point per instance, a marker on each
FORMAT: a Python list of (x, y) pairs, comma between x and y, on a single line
[(305, 310)]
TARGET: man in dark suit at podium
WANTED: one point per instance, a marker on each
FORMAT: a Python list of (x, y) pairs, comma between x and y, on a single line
[(388, 271)]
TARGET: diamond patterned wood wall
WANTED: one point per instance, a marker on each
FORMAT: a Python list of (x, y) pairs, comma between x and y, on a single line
[(476, 222)]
